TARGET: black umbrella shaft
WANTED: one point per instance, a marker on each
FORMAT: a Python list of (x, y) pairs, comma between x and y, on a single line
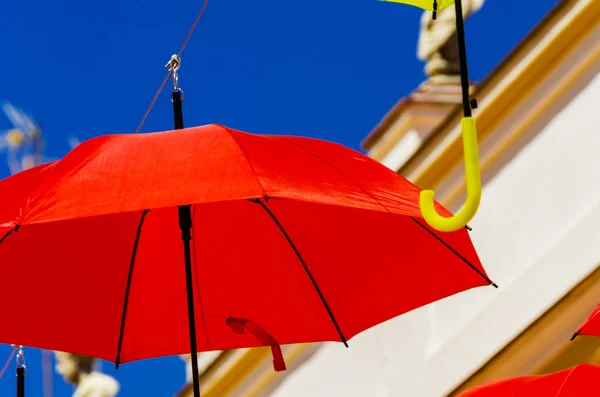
[(177, 109), (20, 382), (185, 223), (462, 56)]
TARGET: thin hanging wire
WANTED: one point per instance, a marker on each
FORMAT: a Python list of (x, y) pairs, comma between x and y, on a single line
[(153, 102), (8, 361), (162, 85)]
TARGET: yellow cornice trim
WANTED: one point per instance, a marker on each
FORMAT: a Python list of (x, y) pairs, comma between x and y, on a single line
[(505, 103), (238, 372), (492, 159), (383, 147), (545, 342), (292, 356)]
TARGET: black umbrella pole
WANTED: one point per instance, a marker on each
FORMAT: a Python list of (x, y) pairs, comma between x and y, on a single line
[(20, 382), (462, 56), (177, 98), (185, 223)]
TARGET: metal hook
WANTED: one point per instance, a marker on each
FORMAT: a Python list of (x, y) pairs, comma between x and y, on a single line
[(174, 64), (20, 358)]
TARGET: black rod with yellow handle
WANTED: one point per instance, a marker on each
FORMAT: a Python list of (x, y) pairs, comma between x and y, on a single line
[(469, 134)]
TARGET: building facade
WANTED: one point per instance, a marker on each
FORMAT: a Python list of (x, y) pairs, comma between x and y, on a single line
[(537, 233)]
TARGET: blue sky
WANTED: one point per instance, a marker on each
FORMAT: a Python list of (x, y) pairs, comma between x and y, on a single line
[(322, 68)]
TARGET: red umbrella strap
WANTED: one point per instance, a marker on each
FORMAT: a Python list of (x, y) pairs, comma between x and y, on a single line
[(241, 325)]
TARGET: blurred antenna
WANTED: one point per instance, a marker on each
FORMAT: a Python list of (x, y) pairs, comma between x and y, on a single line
[(18, 118), (47, 373), (24, 144)]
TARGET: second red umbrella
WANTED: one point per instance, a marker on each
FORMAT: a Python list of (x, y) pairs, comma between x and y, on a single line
[(591, 326), (579, 381), (286, 240)]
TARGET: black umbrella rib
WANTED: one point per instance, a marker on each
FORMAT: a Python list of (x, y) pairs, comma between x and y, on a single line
[(312, 279), (129, 277), (6, 235), (487, 279)]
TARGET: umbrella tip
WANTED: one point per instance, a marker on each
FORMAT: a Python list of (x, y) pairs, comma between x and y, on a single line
[(575, 335), (494, 285)]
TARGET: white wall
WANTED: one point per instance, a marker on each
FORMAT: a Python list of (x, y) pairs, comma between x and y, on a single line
[(537, 233)]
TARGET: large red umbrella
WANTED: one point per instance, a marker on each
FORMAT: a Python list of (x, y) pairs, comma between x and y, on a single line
[(286, 240), (591, 326), (579, 381)]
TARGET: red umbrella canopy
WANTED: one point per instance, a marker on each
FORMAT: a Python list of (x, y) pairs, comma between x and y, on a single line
[(293, 239), (579, 381), (591, 326)]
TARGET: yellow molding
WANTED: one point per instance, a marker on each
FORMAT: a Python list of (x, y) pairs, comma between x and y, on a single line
[(291, 358), (502, 105), (491, 160), (239, 371), (383, 147), (544, 346), (208, 374), (247, 364), (403, 119)]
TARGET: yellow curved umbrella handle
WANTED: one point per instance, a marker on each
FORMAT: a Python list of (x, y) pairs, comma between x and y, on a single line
[(473, 177)]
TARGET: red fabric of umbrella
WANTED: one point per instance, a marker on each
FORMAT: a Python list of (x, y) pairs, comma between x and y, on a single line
[(591, 326), (306, 240), (579, 381)]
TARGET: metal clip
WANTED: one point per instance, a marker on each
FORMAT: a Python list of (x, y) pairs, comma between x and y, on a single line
[(20, 357), (173, 65)]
